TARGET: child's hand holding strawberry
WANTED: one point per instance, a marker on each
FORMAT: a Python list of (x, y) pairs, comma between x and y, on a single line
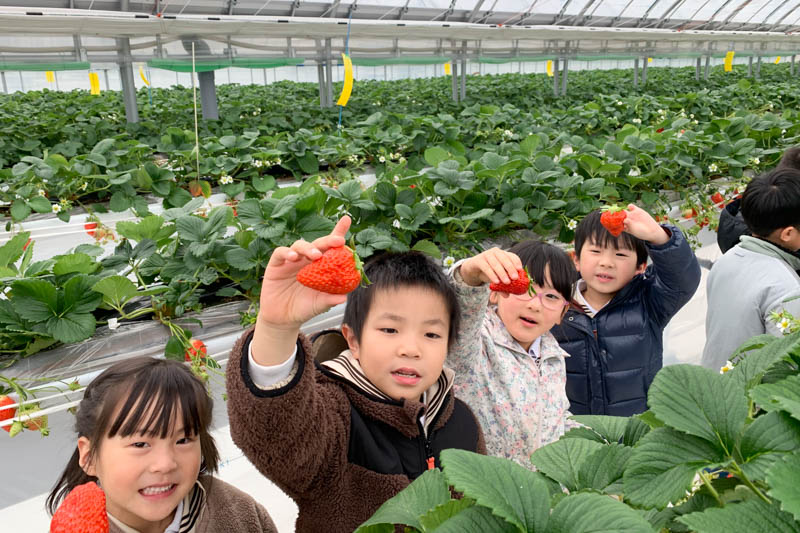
[(640, 224), (495, 266), (286, 303)]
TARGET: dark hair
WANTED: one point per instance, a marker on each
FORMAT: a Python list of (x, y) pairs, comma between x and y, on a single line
[(400, 270), (539, 256), (591, 230), (790, 159), (138, 395), (772, 201)]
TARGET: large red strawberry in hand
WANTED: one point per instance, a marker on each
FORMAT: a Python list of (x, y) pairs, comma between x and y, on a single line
[(338, 271), (613, 219), (521, 285), (82, 511)]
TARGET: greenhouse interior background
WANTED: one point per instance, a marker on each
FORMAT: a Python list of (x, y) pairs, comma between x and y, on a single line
[(148, 53)]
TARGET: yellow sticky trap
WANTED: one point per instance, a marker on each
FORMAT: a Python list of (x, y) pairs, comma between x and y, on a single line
[(728, 64), (447, 70), (144, 78), (550, 67), (348, 81), (50, 75), (94, 83), (649, 59), (777, 60)]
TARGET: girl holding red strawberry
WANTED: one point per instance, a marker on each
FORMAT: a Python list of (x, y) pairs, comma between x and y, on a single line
[(509, 368), (143, 438)]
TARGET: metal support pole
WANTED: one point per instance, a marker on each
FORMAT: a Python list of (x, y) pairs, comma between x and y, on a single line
[(328, 74), (708, 66), (126, 76), (323, 93), (644, 72), (21, 82), (758, 67), (564, 79), (749, 66), (791, 67), (208, 95), (636, 73), (463, 79), (697, 70), (555, 77), (105, 77), (454, 78), (5, 85), (55, 77)]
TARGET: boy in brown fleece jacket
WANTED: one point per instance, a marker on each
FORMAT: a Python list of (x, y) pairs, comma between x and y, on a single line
[(342, 437)]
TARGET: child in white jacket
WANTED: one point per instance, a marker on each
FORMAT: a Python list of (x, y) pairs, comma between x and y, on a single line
[(509, 368)]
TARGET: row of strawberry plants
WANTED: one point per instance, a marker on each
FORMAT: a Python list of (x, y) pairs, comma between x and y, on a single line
[(42, 122), (666, 150)]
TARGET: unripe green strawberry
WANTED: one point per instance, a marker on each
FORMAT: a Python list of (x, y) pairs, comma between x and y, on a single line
[(338, 271), (82, 511)]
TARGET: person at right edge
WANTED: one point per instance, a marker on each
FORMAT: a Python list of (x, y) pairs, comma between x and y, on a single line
[(757, 277), (614, 328)]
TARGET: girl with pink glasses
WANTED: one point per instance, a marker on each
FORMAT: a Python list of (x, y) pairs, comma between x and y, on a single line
[(509, 368)]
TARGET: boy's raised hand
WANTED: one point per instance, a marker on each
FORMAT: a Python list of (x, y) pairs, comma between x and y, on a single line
[(285, 303), (491, 266), (640, 224)]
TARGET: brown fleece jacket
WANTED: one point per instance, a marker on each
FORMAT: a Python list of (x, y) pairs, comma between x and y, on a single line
[(225, 509), (299, 436)]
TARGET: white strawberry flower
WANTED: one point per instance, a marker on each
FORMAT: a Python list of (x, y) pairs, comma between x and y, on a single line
[(634, 172), (395, 178), (783, 132), (755, 160), (691, 115), (572, 224), (713, 167), (278, 161), (258, 163), (382, 159), (619, 102), (85, 185), (434, 201), (449, 261), (396, 223), (784, 325), (637, 121), (56, 208), (727, 367), (42, 192), (225, 180)]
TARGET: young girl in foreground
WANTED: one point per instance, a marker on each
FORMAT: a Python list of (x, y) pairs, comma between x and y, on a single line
[(509, 368), (143, 436)]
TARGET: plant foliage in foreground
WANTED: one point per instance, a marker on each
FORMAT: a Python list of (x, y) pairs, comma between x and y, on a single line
[(660, 471)]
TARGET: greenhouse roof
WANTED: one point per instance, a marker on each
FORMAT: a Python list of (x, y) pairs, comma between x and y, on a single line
[(88, 30)]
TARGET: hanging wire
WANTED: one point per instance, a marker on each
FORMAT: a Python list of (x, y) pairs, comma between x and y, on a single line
[(262, 7), (184, 6)]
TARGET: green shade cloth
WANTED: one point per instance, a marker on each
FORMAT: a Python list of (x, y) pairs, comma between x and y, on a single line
[(206, 65), (42, 67)]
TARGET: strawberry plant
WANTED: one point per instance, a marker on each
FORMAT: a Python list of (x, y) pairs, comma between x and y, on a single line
[(715, 451)]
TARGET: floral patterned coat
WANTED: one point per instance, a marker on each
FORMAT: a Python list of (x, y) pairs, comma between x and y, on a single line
[(521, 402)]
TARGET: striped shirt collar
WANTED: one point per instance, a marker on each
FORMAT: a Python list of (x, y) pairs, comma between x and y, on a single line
[(348, 368)]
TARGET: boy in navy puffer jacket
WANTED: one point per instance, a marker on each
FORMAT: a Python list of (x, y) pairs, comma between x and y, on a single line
[(614, 328)]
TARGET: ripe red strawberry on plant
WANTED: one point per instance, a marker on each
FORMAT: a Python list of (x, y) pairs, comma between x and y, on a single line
[(82, 511), (338, 271), (197, 348), (8, 413), (521, 285), (90, 227), (717, 198), (613, 218)]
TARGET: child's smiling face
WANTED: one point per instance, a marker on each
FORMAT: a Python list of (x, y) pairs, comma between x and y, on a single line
[(143, 476), (403, 341)]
